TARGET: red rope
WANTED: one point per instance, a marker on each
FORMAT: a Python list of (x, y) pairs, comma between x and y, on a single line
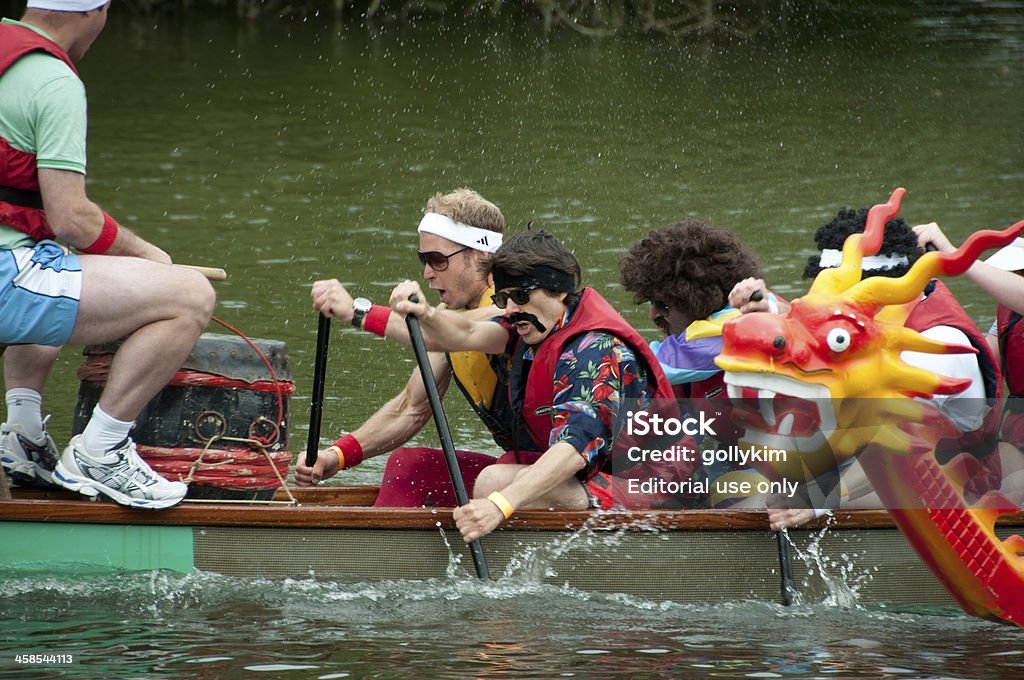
[(273, 375)]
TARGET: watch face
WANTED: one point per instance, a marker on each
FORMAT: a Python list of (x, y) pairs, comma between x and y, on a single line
[(360, 308)]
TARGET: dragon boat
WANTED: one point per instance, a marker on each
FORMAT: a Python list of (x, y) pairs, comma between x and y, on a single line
[(695, 556)]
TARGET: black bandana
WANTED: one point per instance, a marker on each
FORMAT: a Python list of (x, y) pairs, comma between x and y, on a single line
[(538, 277)]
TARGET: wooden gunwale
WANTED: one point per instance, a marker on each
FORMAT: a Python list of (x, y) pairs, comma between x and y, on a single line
[(348, 508)]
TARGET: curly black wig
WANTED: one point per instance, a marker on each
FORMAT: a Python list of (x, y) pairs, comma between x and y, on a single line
[(899, 240), (689, 265)]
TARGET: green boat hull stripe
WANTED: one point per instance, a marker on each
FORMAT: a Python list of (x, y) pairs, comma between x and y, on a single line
[(114, 546)]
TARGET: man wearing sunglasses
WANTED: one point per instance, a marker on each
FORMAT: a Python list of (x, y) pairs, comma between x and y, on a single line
[(457, 236), (686, 271), (572, 362)]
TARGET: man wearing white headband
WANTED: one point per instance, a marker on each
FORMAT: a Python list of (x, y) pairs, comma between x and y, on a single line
[(457, 234), (120, 286), (937, 316), (574, 364)]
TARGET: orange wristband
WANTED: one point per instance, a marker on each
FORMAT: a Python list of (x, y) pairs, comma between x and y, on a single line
[(498, 499), (341, 455), (350, 452)]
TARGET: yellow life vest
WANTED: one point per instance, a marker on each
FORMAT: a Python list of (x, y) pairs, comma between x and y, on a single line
[(473, 369)]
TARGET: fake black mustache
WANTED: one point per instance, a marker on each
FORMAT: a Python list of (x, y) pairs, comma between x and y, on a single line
[(525, 316)]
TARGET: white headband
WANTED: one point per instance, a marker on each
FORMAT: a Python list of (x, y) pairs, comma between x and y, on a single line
[(463, 234), (66, 5), (833, 258)]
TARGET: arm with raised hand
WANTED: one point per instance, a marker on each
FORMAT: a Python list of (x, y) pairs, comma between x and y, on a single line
[(1006, 288), (332, 299), (446, 330), (752, 295)]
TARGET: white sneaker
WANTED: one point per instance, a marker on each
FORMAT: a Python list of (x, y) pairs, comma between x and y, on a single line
[(119, 474), (26, 462)]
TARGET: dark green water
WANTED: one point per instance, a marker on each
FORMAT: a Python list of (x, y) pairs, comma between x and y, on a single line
[(294, 150), (205, 626)]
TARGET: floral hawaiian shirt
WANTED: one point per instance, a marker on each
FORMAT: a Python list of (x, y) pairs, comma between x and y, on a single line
[(595, 374)]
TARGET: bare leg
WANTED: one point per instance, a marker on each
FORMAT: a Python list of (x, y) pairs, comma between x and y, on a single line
[(28, 366), (161, 309)]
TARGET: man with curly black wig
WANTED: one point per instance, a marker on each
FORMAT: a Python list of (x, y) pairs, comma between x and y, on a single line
[(898, 253), (685, 271)]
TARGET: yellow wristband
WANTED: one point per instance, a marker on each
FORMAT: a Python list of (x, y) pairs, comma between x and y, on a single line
[(502, 503), (341, 455)]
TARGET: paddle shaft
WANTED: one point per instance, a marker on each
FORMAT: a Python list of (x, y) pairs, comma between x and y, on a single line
[(441, 422), (785, 566), (211, 273), (316, 401)]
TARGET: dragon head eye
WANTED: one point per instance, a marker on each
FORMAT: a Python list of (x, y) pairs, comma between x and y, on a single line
[(838, 339)]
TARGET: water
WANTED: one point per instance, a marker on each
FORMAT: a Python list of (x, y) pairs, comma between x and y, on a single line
[(204, 625), (292, 150)]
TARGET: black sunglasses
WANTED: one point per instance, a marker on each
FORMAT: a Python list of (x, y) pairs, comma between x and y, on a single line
[(660, 306), (520, 296), (437, 261)]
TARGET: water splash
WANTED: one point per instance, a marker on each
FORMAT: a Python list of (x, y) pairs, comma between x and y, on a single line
[(840, 579)]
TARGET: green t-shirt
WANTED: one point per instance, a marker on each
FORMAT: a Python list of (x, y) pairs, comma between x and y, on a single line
[(43, 112)]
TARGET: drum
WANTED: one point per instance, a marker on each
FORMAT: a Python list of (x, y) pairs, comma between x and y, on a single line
[(221, 423)]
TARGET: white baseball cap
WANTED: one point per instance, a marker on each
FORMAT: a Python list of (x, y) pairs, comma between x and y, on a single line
[(1010, 258), (66, 5)]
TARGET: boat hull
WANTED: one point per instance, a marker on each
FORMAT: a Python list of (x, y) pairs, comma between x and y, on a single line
[(685, 556)]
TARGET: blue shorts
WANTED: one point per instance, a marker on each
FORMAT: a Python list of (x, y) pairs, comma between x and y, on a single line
[(40, 289)]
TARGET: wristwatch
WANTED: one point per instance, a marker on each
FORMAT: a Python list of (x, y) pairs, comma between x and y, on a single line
[(360, 308)]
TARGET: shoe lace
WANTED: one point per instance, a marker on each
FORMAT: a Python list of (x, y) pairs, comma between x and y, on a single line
[(140, 466)]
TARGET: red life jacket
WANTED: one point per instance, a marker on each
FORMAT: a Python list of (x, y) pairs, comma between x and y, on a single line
[(1011, 344), (591, 314), (940, 308), (20, 201), (708, 388)]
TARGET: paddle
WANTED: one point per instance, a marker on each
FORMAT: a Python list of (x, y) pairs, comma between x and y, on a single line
[(441, 422), (316, 401), (785, 566), (788, 590), (211, 273)]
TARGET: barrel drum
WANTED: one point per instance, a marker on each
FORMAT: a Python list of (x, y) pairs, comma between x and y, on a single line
[(221, 423)]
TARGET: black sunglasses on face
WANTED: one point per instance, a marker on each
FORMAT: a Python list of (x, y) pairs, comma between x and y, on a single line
[(520, 296), (437, 261), (660, 306)]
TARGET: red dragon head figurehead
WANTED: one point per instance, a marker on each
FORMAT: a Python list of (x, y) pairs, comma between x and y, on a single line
[(839, 348)]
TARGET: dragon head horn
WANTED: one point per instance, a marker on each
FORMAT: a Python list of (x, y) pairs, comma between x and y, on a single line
[(838, 279), (881, 291)]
